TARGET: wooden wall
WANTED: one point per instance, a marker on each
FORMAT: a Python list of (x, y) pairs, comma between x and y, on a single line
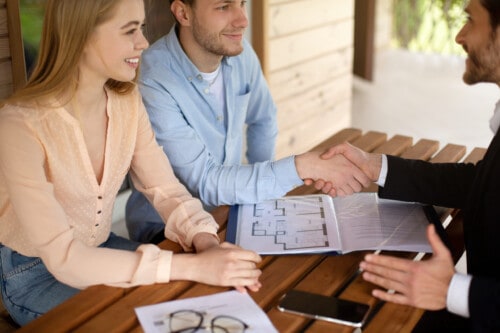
[(12, 67), (306, 50)]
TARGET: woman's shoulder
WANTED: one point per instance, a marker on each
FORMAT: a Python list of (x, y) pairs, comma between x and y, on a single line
[(29, 110)]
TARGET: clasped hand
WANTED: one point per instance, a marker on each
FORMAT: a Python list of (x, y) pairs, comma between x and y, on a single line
[(339, 171)]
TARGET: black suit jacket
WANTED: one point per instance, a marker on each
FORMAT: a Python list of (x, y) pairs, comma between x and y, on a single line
[(476, 190)]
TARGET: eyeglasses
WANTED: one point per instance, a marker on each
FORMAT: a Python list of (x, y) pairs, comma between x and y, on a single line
[(190, 321)]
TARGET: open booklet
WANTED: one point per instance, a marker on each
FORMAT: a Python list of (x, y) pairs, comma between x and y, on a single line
[(319, 223)]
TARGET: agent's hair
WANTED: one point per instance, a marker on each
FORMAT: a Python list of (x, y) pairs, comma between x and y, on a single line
[(67, 27), (493, 8)]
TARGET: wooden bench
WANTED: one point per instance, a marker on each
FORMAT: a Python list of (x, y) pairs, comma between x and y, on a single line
[(107, 309)]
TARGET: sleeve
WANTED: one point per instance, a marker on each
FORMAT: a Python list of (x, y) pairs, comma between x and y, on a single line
[(383, 172), (215, 184), (484, 304), (443, 184), (261, 120), (457, 300), (152, 175), (41, 218)]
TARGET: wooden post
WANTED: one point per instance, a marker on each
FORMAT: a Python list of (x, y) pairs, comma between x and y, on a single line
[(364, 38), (16, 44), (260, 35)]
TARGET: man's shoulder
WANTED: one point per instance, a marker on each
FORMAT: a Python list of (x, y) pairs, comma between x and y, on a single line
[(156, 50), (156, 61)]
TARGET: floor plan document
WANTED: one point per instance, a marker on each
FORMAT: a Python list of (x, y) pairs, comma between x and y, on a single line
[(319, 223)]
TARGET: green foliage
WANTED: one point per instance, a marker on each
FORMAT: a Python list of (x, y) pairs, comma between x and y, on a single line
[(31, 20), (428, 25)]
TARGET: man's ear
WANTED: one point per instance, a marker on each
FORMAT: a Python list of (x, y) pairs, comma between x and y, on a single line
[(181, 12)]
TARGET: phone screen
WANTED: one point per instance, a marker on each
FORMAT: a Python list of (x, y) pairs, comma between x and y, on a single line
[(324, 308)]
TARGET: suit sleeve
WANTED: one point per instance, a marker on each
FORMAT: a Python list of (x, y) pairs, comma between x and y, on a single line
[(484, 304), (443, 184)]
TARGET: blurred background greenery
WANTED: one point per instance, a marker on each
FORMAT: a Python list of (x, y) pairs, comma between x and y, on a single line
[(428, 25), (31, 12), (31, 20)]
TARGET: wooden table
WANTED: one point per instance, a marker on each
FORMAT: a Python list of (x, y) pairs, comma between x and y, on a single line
[(108, 309)]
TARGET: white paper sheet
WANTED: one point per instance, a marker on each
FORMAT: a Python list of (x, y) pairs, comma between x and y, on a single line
[(154, 318)]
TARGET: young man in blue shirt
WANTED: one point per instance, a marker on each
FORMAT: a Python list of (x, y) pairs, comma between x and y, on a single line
[(202, 85)]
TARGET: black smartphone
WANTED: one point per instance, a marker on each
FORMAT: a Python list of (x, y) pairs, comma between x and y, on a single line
[(324, 307)]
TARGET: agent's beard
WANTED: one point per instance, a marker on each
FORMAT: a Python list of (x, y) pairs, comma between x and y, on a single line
[(484, 65)]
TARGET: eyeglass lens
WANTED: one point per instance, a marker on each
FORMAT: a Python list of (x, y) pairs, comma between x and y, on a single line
[(225, 324), (187, 321)]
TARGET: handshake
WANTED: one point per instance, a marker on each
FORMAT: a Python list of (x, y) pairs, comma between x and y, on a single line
[(341, 170)]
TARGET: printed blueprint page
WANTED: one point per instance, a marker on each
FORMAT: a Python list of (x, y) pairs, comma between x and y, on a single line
[(295, 224), (367, 222)]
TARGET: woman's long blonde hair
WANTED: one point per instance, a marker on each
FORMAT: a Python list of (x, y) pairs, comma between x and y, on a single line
[(67, 27)]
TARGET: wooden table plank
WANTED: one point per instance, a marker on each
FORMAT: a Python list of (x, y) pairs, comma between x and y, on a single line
[(450, 153), (370, 141), (475, 155), (423, 150), (395, 318), (345, 135), (81, 307), (396, 145)]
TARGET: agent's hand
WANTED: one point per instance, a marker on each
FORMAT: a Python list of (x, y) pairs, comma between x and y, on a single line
[(422, 284), (344, 177), (224, 265), (370, 164)]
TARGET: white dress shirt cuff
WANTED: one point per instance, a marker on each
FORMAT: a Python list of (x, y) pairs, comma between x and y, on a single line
[(457, 300), (383, 172)]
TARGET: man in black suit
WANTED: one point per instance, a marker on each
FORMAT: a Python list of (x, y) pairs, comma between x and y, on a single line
[(461, 302)]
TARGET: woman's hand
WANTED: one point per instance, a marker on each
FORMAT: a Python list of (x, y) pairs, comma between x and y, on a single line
[(223, 265), (204, 241)]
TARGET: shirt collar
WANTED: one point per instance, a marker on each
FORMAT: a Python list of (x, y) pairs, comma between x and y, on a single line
[(495, 119)]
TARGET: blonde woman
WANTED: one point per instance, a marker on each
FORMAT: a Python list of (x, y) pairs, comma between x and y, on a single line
[(67, 140)]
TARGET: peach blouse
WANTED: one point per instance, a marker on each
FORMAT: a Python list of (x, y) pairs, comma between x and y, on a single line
[(51, 205)]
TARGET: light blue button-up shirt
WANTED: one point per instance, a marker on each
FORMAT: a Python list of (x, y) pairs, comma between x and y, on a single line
[(205, 145)]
